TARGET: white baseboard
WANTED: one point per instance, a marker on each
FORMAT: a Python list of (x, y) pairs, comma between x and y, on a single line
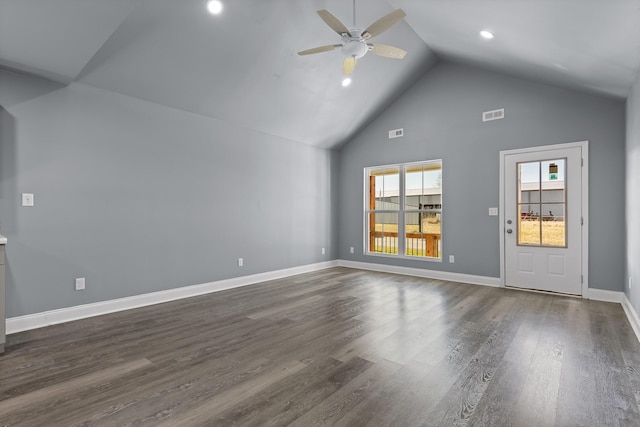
[(632, 315), (52, 317), (605, 296), (594, 294), (419, 272)]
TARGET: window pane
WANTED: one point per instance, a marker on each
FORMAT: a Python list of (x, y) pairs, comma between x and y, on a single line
[(423, 234), (553, 183), (553, 226), (529, 182), (383, 233), (553, 170), (530, 196), (528, 226), (384, 189), (423, 186)]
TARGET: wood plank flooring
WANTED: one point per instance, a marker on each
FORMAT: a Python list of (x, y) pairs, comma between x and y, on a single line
[(337, 347)]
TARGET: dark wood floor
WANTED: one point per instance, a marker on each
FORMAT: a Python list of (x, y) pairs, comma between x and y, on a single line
[(335, 347)]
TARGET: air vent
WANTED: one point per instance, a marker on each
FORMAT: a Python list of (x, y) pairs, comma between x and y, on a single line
[(493, 115), (396, 133)]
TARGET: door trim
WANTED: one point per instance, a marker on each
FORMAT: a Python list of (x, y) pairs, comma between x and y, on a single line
[(584, 145)]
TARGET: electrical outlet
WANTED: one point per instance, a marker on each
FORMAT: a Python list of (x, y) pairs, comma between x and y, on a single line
[(80, 284), (322, 251), (27, 199), (452, 259), (352, 250), (240, 262), (493, 211)]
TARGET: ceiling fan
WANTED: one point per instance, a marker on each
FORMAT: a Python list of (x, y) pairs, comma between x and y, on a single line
[(355, 40)]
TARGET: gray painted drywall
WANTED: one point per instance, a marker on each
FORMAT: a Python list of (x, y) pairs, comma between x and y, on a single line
[(441, 117), (633, 199), (138, 197)]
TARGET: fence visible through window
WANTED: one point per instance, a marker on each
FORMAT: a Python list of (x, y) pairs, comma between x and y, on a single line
[(405, 200)]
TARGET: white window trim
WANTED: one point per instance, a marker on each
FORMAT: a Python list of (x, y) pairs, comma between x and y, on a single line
[(401, 211)]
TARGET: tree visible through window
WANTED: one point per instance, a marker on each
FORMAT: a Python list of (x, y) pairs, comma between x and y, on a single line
[(404, 201)]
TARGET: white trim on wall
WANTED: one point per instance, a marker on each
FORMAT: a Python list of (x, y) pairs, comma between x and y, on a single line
[(632, 315), (592, 294), (604, 295), (53, 317), (420, 272)]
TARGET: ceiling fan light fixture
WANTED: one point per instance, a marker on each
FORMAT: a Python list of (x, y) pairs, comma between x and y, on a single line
[(346, 81), (355, 41), (355, 49), (214, 7), (487, 34)]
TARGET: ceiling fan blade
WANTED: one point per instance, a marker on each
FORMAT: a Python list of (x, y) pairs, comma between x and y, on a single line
[(387, 51), (320, 49), (349, 65), (383, 24), (333, 22)]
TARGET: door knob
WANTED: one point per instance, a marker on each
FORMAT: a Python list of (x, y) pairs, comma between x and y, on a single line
[(509, 231)]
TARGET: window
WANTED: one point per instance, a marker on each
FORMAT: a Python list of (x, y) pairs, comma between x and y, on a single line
[(542, 203), (403, 210)]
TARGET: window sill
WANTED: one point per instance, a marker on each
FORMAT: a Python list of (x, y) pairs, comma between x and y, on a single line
[(412, 258)]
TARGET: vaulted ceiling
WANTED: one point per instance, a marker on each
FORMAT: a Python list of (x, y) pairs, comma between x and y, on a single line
[(241, 66)]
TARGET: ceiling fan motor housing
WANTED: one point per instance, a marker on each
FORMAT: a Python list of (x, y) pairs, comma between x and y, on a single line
[(354, 45)]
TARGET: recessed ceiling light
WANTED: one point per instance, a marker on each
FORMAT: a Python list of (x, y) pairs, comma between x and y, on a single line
[(487, 34), (346, 82), (214, 6)]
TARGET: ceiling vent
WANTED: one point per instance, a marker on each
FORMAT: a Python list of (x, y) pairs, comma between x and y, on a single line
[(396, 133), (493, 115)]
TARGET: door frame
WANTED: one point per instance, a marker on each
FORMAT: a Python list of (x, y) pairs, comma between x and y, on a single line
[(584, 145)]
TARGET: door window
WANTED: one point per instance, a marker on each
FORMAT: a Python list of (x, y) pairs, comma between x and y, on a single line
[(542, 203)]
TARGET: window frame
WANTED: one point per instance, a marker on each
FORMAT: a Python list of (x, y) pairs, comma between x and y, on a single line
[(401, 212)]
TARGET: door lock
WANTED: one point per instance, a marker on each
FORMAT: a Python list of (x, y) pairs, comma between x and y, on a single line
[(509, 231)]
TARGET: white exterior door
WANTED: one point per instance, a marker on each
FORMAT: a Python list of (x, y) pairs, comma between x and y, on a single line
[(543, 231)]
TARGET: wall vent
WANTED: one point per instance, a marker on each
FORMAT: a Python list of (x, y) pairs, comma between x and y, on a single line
[(396, 133), (493, 115)]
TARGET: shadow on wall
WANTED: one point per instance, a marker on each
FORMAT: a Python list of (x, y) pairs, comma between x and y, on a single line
[(8, 186), (15, 89)]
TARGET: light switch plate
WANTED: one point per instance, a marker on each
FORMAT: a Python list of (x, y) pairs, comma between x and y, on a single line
[(27, 199), (493, 211)]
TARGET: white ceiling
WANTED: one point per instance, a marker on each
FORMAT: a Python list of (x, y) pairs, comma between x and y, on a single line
[(242, 66), (591, 45)]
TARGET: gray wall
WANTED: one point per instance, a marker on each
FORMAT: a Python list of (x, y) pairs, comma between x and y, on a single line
[(137, 197), (633, 195), (441, 117)]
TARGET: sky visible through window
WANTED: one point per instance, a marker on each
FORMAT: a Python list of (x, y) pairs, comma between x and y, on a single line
[(391, 183), (530, 172)]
